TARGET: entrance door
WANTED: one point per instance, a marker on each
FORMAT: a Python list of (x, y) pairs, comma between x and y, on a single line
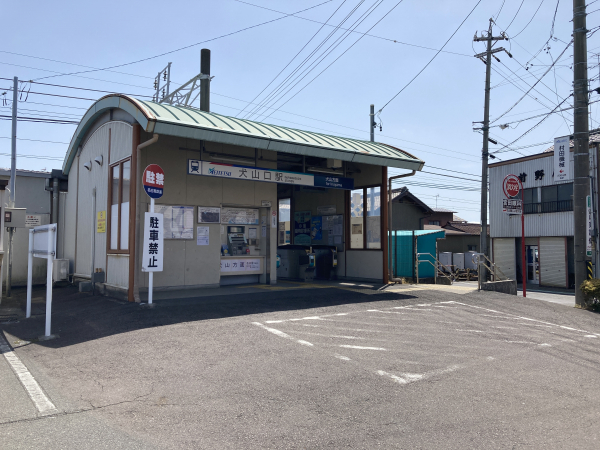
[(533, 264)]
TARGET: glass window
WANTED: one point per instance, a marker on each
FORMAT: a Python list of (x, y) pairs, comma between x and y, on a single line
[(549, 194), (530, 195), (120, 186), (125, 186), (373, 217), (565, 191), (114, 209), (356, 219), (434, 222), (284, 221)]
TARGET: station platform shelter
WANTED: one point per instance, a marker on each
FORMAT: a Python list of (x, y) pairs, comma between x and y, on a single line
[(234, 191)]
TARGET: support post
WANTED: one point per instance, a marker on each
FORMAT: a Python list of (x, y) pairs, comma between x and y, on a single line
[(150, 274), (205, 82), (50, 259), (13, 181), (523, 256), (29, 275), (372, 123), (581, 140)]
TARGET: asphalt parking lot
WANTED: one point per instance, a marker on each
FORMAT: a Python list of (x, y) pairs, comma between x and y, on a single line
[(344, 366)]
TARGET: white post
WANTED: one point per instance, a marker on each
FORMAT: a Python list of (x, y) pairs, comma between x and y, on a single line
[(51, 231), (29, 274), (150, 274)]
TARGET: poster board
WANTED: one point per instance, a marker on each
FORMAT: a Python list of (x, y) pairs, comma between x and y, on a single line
[(239, 216), (178, 221), (209, 215)]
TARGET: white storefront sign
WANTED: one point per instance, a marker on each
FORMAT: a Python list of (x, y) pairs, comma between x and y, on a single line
[(240, 265), (561, 159), (512, 205), (153, 242)]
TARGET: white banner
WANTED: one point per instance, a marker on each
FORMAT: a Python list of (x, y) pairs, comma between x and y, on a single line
[(561, 159), (152, 260), (240, 265)]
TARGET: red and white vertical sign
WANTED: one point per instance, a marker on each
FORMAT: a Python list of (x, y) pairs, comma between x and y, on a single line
[(153, 242)]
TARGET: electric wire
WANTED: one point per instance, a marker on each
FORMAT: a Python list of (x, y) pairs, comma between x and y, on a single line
[(431, 60), (530, 20), (185, 47)]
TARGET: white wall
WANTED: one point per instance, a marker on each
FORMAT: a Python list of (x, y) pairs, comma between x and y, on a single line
[(366, 264)]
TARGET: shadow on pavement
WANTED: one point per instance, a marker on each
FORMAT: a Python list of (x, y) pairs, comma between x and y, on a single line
[(78, 317)]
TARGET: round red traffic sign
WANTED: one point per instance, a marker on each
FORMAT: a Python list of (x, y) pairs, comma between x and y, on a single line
[(153, 180), (511, 186)]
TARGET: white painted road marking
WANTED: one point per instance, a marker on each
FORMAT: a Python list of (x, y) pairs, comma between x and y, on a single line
[(358, 347), (282, 334), (37, 396)]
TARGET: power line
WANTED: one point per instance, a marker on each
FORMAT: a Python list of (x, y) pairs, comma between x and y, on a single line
[(185, 47), (335, 60), (530, 20), (534, 84), (395, 41), (516, 14), (286, 66), (81, 88), (431, 60), (20, 155), (35, 140), (40, 119)]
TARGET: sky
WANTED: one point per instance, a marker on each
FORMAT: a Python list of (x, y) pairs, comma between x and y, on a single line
[(427, 101)]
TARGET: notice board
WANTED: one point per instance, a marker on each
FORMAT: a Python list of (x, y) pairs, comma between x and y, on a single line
[(178, 221)]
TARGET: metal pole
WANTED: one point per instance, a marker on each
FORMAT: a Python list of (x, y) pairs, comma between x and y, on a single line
[(55, 190), (13, 181), (29, 274), (93, 240), (581, 139), (150, 274), (484, 153), (51, 240), (205, 82), (523, 259), (372, 123)]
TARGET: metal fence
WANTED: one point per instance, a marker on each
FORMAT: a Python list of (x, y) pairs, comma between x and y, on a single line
[(548, 207)]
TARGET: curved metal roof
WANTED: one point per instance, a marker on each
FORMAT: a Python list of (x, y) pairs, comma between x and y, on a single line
[(195, 124)]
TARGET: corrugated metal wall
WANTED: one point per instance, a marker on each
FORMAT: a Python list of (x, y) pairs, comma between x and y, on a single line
[(504, 256), (553, 261), (96, 145), (117, 273), (547, 224)]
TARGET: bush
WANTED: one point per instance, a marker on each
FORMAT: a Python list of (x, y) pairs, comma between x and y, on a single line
[(591, 292)]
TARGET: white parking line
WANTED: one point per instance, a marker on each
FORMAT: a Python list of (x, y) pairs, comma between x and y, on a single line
[(282, 334), (358, 347), (33, 389)]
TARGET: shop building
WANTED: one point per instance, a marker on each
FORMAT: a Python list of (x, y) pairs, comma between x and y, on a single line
[(548, 214), (233, 191)]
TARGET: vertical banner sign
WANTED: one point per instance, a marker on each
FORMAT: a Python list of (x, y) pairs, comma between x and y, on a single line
[(154, 181), (561, 159), (302, 227), (153, 242), (590, 225)]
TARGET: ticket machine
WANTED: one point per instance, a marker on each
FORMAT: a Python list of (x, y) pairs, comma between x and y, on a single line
[(236, 240)]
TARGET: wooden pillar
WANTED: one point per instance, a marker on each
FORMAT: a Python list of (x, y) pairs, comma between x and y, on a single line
[(132, 207)]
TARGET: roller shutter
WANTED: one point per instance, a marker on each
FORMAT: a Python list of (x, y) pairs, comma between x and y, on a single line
[(553, 261), (504, 256)]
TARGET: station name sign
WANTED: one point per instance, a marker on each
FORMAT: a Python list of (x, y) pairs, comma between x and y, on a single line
[(222, 170)]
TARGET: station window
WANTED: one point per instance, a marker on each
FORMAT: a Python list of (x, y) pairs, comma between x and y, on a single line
[(120, 176), (365, 229), (284, 221)]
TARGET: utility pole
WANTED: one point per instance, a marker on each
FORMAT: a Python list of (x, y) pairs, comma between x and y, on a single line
[(486, 57), (581, 183), (205, 81), (372, 124), (13, 179)]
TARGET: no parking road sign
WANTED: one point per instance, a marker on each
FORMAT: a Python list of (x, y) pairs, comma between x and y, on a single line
[(153, 180)]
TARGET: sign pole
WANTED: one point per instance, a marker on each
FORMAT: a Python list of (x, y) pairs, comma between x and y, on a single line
[(50, 257), (29, 274), (523, 258), (151, 274)]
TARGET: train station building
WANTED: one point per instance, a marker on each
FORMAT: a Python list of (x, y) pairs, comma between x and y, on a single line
[(236, 193)]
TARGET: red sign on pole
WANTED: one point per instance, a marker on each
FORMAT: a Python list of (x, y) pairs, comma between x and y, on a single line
[(153, 180), (511, 186)]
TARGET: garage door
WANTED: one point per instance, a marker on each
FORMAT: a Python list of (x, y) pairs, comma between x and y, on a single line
[(504, 256), (553, 261)]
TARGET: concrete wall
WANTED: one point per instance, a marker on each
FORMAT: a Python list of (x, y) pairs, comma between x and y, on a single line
[(30, 193), (365, 264)]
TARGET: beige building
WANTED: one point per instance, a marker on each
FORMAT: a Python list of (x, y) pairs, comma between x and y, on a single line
[(224, 181)]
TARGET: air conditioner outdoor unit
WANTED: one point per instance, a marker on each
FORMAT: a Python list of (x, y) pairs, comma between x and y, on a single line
[(60, 270)]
